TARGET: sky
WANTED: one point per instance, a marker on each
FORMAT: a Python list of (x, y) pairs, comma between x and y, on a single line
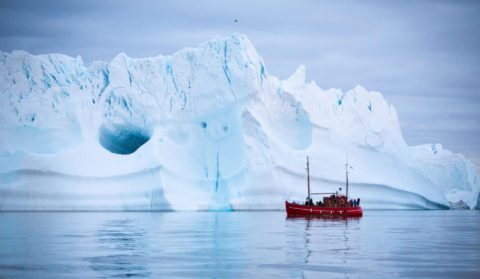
[(423, 56)]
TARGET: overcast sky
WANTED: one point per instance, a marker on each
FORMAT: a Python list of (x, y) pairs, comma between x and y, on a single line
[(424, 56)]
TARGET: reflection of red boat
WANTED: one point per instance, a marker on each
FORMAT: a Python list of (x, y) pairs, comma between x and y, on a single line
[(334, 205)]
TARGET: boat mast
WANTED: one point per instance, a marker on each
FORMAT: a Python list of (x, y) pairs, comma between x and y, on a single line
[(346, 176), (308, 178)]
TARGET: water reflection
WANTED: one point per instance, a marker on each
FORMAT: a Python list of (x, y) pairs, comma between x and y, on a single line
[(346, 243), (122, 247), (326, 244), (409, 244), (308, 251)]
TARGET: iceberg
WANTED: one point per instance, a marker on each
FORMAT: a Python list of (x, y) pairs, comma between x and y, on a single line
[(206, 128)]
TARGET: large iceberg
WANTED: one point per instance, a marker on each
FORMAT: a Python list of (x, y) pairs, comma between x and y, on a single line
[(206, 128)]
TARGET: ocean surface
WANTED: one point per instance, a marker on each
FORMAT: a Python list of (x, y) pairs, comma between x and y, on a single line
[(381, 244)]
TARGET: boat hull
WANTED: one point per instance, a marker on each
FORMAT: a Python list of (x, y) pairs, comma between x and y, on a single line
[(295, 209)]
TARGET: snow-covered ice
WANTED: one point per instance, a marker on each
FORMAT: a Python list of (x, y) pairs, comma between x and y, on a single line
[(206, 128)]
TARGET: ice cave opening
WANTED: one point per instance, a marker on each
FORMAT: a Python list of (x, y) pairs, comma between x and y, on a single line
[(123, 139)]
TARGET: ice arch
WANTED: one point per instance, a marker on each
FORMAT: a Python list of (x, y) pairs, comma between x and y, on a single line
[(123, 139)]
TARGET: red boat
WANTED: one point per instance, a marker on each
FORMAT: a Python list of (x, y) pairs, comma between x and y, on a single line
[(334, 205), (296, 209)]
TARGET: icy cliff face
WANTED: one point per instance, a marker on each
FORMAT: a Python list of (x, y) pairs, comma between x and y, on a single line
[(204, 128)]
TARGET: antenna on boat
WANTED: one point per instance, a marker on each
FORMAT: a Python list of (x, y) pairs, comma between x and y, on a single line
[(347, 166), (308, 178)]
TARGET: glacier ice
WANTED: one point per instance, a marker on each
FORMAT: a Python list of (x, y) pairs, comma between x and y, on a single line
[(206, 128)]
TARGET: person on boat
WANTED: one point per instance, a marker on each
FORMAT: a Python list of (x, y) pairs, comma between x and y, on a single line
[(358, 201), (309, 201)]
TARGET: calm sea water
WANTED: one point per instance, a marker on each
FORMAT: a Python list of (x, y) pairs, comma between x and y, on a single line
[(382, 244)]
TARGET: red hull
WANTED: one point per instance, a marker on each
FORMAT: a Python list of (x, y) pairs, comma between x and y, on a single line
[(295, 209)]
